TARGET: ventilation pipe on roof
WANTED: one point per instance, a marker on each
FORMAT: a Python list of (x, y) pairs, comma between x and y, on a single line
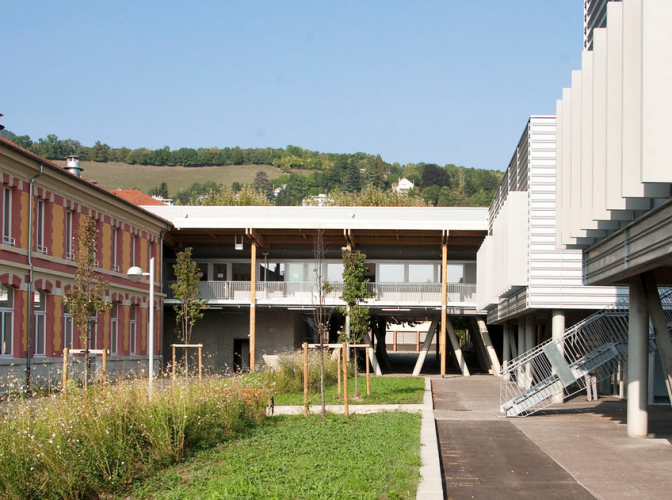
[(73, 165)]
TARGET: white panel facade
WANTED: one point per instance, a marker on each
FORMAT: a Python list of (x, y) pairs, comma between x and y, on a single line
[(552, 278)]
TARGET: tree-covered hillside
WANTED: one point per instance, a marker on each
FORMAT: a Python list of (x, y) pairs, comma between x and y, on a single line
[(435, 185)]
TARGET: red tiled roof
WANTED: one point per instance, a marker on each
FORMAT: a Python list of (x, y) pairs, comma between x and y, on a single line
[(136, 197)]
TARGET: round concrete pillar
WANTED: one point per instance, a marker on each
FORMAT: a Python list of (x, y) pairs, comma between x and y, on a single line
[(638, 363)]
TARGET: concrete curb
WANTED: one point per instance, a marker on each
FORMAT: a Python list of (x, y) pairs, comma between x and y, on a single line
[(431, 480)]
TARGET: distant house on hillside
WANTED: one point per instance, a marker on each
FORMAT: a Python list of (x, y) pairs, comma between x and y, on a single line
[(316, 201), (403, 185)]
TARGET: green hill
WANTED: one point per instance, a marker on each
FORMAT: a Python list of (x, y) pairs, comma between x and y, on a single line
[(113, 175)]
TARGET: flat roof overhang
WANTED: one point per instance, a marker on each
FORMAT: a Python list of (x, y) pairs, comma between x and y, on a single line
[(643, 245)]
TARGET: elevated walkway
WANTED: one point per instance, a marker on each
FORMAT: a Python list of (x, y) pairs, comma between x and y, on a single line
[(558, 368)]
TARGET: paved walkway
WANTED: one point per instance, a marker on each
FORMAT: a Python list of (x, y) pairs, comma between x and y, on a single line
[(577, 450)]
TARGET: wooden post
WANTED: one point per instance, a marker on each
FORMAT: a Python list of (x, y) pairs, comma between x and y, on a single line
[(368, 383), (200, 362), (65, 368), (253, 303), (394, 341), (338, 370), (444, 303), (305, 379), (173, 362), (345, 379), (104, 364), (417, 341)]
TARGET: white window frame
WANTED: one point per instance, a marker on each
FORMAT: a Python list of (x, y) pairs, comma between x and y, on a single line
[(133, 247), (114, 329), (40, 313), (40, 219), (69, 224), (115, 246), (7, 216), (68, 330), (4, 335), (133, 328)]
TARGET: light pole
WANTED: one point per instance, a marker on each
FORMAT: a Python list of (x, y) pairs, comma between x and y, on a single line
[(134, 274)]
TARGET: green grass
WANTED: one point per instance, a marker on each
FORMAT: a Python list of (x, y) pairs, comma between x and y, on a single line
[(113, 175), (361, 457), (384, 390)]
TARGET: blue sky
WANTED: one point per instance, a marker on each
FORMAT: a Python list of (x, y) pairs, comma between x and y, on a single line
[(449, 81)]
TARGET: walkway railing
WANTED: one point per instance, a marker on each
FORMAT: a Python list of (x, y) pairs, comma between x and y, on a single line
[(304, 291), (596, 346)]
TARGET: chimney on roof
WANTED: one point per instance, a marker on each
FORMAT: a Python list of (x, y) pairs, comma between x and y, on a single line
[(73, 166)]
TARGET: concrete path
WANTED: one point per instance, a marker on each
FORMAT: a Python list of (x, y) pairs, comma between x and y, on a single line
[(574, 450)]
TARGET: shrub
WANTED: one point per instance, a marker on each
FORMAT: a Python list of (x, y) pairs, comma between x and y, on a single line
[(87, 443)]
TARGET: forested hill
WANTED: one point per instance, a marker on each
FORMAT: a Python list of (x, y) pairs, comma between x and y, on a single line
[(448, 185)]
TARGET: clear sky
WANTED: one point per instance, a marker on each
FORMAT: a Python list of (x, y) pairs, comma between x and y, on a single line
[(450, 81)]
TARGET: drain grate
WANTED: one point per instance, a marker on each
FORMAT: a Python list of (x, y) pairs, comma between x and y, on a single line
[(462, 481)]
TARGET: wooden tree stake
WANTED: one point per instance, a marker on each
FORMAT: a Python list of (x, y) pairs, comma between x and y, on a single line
[(338, 370), (345, 379), (65, 368), (305, 379), (366, 361)]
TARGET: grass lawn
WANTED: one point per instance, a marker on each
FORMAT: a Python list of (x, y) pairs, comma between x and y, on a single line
[(384, 390), (373, 457)]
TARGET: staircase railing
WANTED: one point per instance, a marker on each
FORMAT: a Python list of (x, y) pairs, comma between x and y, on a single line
[(598, 346)]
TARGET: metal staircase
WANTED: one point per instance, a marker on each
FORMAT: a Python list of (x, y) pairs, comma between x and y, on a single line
[(596, 345)]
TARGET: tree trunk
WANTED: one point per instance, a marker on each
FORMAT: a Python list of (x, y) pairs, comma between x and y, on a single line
[(86, 356), (379, 327), (324, 405)]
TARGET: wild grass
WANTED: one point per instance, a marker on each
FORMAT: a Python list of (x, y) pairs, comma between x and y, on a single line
[(89, 443), (367, 457)]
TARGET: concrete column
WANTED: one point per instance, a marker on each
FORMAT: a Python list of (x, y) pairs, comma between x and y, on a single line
[(557, 331), (638, 362), (521, 350), (530, 342), (506, 345)]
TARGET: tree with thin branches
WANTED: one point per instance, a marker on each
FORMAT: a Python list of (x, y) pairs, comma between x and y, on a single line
[(87, 299), (355, 292), (186, 290), (321, 312)]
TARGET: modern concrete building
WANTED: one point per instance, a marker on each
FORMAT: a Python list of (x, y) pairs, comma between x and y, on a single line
[(525, 283), (258, 272), (42, 204), (615, 176), (594, 17)]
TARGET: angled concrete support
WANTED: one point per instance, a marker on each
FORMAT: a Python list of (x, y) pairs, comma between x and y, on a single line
[(530, 342), (455, 343), (487, 343), (425, 347), (659, 327), (512, 341), (520, 375), (372, 354)]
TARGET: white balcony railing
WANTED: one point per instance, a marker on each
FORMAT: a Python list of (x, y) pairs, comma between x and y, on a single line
[(303, 292)]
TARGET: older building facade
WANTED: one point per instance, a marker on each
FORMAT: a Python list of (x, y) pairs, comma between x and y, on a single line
[(42, 206)]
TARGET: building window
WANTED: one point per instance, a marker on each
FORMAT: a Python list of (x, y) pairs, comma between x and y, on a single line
[(391, 273), (114, 328), (39, 237), (68, 330), (133, 242), (68, 234), (421, 273), (40, 308), (115, 241), (133, 328), (7, 217), (6, 320)]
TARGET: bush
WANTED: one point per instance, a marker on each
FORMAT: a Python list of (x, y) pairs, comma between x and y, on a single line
[(87, 443), (288, 375)]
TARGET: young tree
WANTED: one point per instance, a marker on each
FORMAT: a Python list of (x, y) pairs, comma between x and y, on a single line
[(88, 299), (161, 191), (186, 290), (355, 292), (321, 312)]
